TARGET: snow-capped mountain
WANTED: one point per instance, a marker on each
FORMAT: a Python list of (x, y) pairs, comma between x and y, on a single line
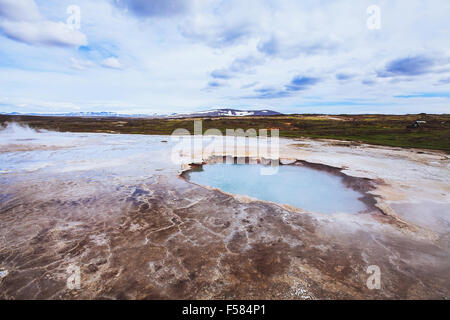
[(226, 113)]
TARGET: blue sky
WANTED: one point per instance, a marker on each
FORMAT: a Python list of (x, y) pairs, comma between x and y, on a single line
[(164, 56)]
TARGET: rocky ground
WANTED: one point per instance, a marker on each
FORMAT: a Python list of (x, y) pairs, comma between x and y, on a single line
[(137, 230)]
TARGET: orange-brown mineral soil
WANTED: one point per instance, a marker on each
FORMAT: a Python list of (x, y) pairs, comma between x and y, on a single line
[(137, 230)]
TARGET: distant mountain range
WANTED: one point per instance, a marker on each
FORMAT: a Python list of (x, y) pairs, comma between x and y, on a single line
[(82, 114), (226, 113), (208, 114)]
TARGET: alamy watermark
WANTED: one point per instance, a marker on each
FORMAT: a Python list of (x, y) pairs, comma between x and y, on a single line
[(74, 280), (374, 280), (374, 19), (74, 19), (236, 144)]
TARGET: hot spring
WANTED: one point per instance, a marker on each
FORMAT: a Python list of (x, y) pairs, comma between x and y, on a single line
[(295, 185)]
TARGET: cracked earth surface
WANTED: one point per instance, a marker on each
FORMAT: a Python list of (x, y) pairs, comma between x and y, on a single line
[(137, 230)]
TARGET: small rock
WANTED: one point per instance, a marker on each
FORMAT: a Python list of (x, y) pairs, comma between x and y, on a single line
[(92, 268), (100, 262)]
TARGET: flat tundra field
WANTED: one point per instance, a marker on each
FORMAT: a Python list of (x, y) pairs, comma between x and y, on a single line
[(388, 130)]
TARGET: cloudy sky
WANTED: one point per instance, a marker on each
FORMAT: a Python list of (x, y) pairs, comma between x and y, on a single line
[(163, 56)]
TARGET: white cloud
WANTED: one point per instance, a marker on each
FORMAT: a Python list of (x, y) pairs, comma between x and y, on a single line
[(21, 20), (43, 33), (112, 63), (162, 49), (80, 64), (19, 10)]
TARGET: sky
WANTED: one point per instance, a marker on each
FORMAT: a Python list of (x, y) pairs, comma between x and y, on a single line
[(166, 56)]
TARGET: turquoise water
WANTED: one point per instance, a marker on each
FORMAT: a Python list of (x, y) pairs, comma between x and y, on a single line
[(299, 186)]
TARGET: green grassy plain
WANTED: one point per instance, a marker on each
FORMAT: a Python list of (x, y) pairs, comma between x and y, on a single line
[(389, 130)]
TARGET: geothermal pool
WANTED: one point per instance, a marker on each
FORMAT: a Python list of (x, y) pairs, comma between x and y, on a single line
[(298, 186)]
